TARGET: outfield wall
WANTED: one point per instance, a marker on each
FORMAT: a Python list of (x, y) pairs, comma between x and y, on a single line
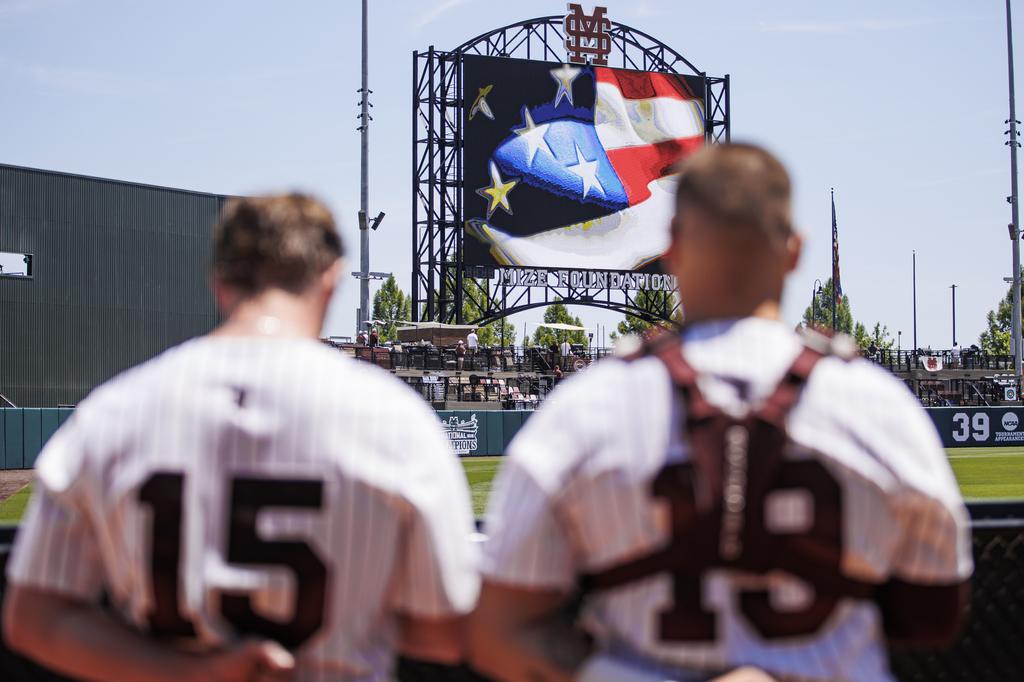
[(24, 431)]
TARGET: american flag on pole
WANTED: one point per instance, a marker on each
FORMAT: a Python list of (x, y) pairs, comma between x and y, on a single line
[(579, 163), (837, 287)]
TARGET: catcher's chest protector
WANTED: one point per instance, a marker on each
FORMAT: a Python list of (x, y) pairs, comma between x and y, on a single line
[(717, 500)]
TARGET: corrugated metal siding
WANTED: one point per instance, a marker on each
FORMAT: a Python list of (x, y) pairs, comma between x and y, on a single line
[(119, 274)]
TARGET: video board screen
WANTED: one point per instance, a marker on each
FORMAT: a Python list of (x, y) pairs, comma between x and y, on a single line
[(571, 166)]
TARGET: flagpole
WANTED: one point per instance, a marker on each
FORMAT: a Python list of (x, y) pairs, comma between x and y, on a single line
[(915, 300), (835, 265)]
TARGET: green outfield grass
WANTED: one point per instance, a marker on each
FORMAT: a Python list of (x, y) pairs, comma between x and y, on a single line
[(982, 473), (480, 472), (13, 507), (989, 472)]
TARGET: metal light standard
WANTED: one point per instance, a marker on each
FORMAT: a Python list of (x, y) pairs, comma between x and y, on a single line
[(1015, 225)]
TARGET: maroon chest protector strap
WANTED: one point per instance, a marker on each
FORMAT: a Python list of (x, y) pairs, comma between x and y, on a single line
[(721, 464), (705, 426)]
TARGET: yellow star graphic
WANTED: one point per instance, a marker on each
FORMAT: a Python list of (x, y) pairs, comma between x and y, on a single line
[(497, 193)]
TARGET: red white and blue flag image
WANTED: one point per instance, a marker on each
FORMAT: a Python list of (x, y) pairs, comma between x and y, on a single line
[(571, 166)]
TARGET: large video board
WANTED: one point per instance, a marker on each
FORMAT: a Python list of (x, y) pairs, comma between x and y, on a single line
[(570, 167)]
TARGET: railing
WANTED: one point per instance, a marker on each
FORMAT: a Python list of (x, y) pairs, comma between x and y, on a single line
[(957, 392), (514, 393), (494, 359), (967, 359)]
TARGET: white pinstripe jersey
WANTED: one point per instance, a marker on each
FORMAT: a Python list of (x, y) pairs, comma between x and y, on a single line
[(574, 496), (256, 485)]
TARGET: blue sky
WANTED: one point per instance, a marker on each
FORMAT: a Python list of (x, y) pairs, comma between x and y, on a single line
[(899, 106)]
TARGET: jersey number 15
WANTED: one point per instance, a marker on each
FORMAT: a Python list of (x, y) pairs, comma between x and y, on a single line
[(163, 493)]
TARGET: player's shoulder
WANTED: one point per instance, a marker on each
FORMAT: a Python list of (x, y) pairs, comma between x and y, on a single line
[(857, 383)]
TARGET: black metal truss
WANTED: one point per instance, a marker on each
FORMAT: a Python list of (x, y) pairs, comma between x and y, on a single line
[(438, 287)]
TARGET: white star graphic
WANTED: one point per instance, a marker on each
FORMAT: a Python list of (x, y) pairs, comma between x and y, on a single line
[(564, 76), (534, 136), (587, 171)]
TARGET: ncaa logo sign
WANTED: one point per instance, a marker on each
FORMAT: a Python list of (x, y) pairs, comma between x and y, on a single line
[(1010, 421)]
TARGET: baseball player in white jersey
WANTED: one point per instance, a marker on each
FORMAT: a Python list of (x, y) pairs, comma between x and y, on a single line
[(253, 504), (735, 495)]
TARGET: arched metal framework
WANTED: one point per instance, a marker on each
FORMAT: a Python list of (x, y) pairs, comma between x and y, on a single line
[(438, 293)]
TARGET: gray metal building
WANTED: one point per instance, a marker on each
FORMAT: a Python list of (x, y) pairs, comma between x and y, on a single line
[(118, 274)]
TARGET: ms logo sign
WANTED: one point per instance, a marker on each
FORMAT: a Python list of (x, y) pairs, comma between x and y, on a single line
[(586, 35)]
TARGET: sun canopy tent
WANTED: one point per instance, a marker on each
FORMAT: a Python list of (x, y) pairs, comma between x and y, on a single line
[(561, 326), (435, 332)]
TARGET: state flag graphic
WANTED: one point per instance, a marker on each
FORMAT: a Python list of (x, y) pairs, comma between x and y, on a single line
[(575, 167)]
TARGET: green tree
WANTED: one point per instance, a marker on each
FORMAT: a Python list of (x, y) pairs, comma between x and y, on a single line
[(558, 313), (879, 336), (995, 340), (647, 299), (820, 311), (391, 306)]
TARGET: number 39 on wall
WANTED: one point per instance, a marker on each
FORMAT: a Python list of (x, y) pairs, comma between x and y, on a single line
[(965, 427)]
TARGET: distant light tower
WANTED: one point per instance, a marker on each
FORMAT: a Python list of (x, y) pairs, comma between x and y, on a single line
[(1015, 342)]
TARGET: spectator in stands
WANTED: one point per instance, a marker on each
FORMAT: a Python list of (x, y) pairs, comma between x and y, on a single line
[(361, 338), (374, 337), (460, 355), (566, 352), (955, 353), (472, 343), (559, 374)]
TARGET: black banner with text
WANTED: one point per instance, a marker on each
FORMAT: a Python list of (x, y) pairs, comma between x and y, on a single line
[(967, 427)]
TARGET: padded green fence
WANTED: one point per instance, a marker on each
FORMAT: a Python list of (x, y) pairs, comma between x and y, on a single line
[(481, 432), (24, 431)]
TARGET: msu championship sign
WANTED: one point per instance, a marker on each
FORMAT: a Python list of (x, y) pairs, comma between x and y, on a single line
[(462, 434), (570, 167)]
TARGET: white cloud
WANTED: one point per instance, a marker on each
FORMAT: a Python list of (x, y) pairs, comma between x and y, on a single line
[(435, 12)]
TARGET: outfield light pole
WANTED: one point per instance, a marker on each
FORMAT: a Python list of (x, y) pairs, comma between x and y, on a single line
[(1015, 341), (363, 314)]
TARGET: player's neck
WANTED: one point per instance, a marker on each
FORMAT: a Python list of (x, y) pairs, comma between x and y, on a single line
[(273, 313)]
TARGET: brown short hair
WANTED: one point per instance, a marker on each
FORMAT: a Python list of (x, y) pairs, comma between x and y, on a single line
[(739, 185), (282, 241)]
